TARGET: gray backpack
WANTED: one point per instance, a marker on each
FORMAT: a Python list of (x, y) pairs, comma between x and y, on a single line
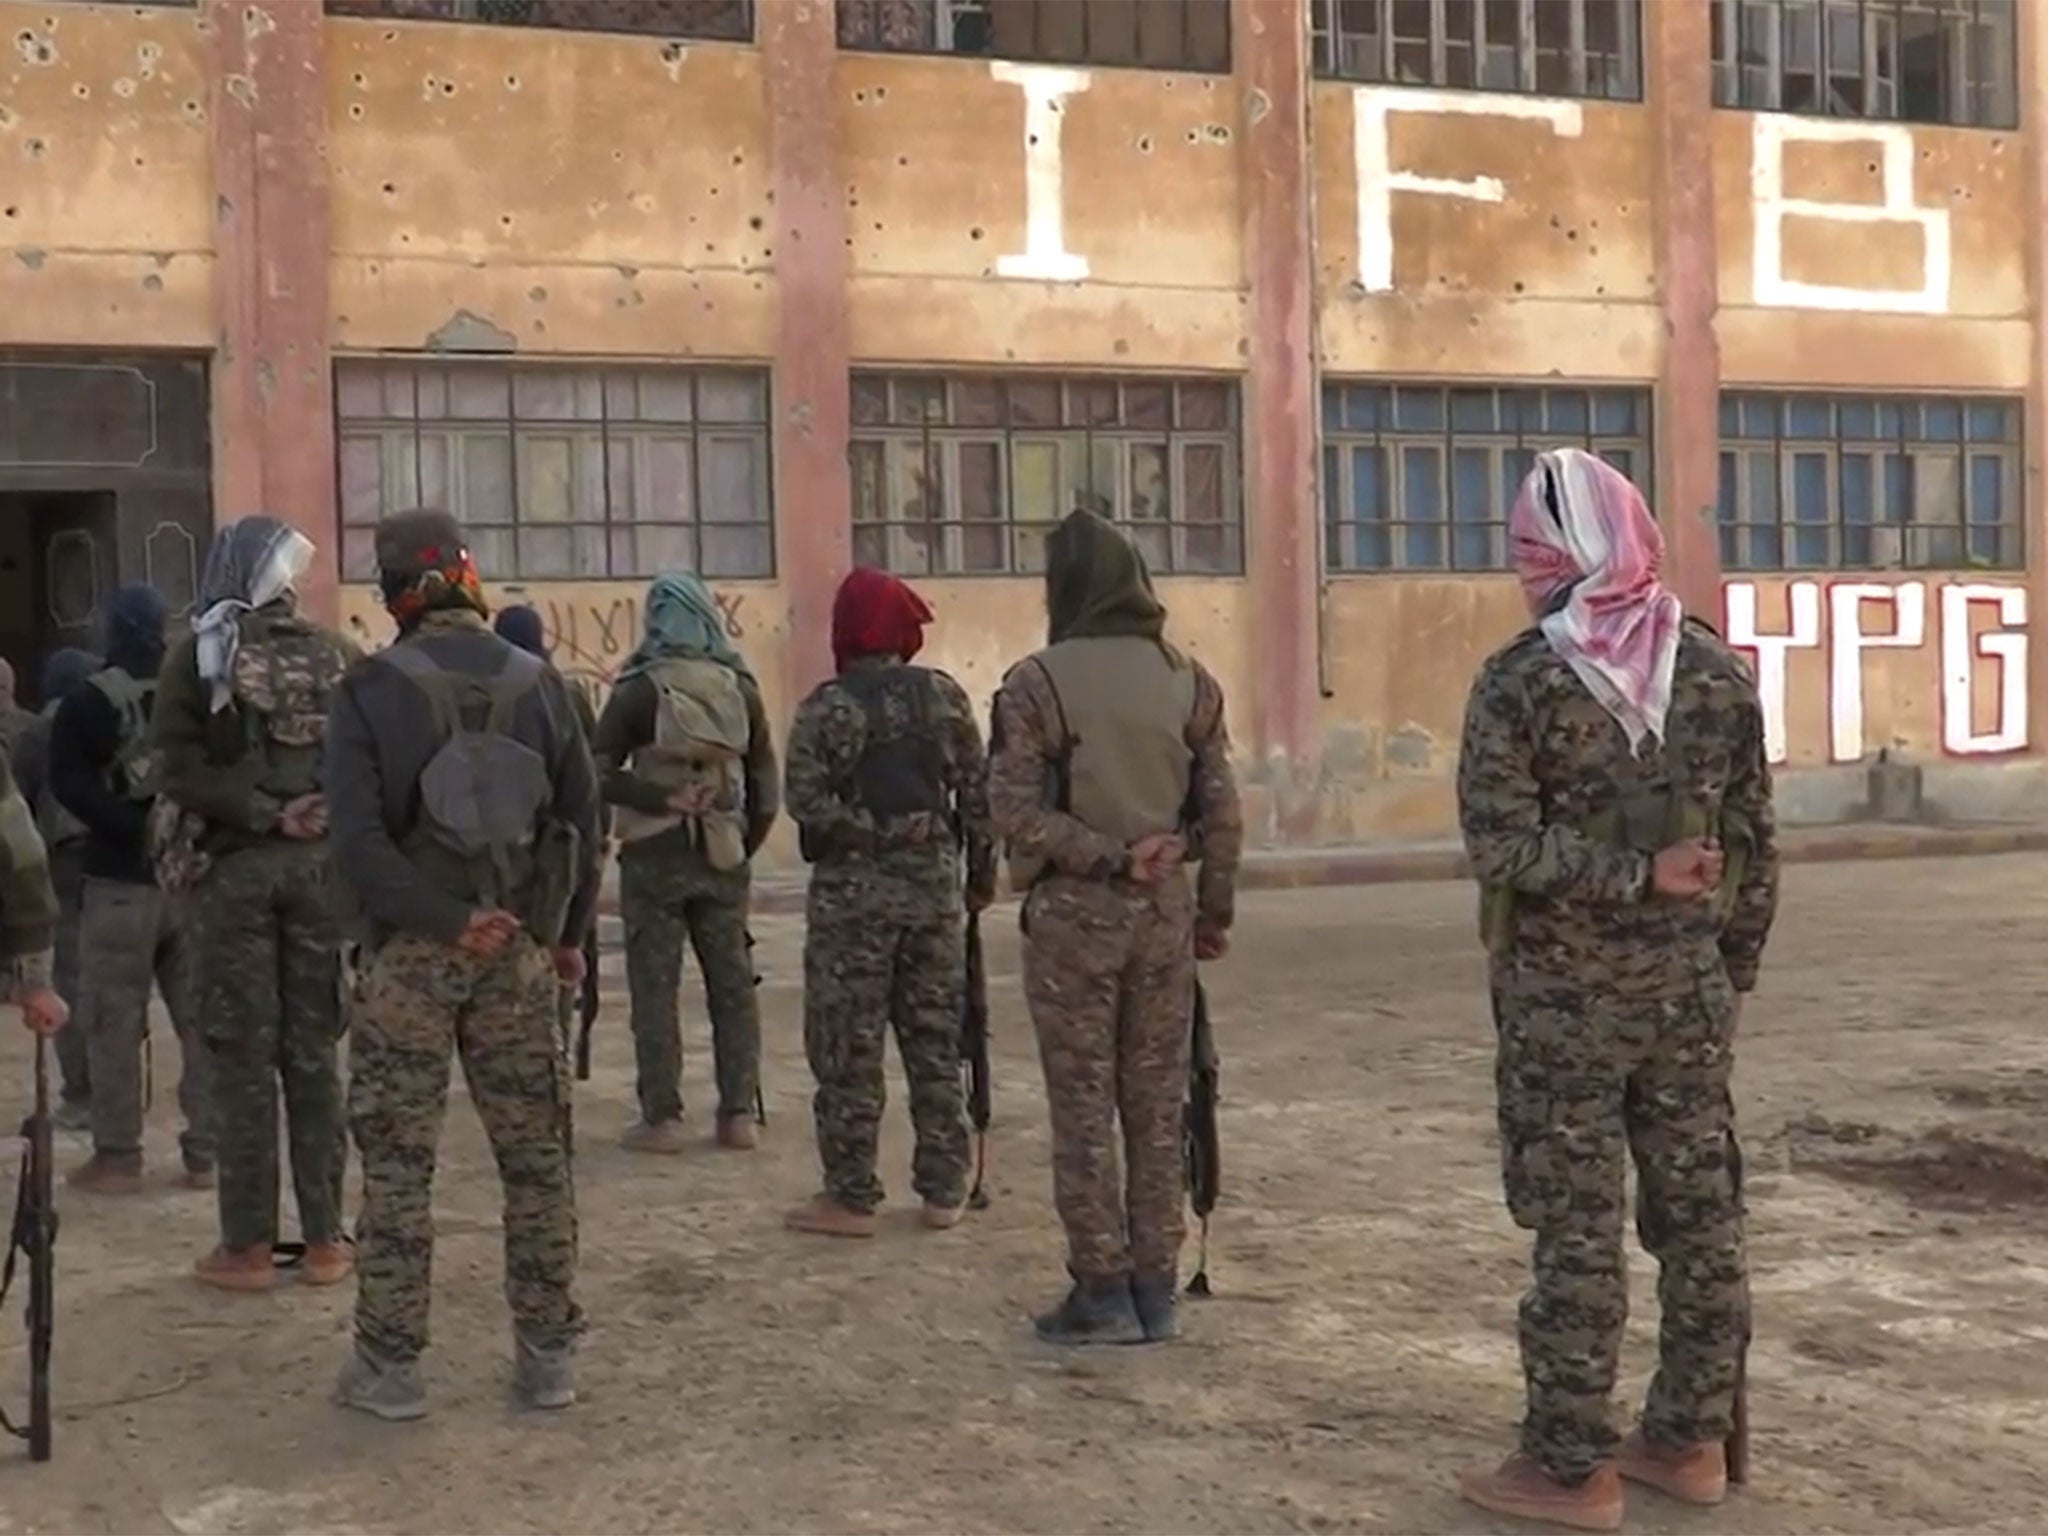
[(484, 794)]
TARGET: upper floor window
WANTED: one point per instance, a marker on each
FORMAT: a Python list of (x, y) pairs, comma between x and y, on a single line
[(1420, 477), (574, 472), (969, 474), (1153, 34), (1546, 47), (1918, 61), (732, 20), (1846, 482)]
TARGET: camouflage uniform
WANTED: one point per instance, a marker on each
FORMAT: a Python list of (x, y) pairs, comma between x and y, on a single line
[(668, 892), (63, 835), (266, 934), (883, 945), (28, 906), (1616, 1016)]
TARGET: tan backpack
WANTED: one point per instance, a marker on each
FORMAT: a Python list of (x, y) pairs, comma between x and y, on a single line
[(701, 735)]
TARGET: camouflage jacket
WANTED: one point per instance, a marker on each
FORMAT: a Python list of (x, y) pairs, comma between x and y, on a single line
[(826, 742), (28, 905), (1029, 740), (1542, 774)]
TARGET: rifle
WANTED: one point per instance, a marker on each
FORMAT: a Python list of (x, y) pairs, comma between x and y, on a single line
[(974, 1059), (1737, 1446), (587, 1003), (35, 1234), (1198, 1129)]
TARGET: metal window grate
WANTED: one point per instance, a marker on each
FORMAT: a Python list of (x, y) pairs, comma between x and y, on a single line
[(562, 472), (727, 20), (1420, 477), (1144, 34), (968, 474), (1589, 48), (1917, 61), (1886, 482)]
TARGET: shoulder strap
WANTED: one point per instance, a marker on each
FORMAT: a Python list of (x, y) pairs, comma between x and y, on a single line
[(432, 679), (519, 676)]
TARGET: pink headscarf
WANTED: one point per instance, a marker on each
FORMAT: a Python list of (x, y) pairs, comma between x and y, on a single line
[(1578, 522)]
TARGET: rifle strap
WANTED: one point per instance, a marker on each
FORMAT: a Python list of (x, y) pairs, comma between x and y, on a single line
[(19, 1240)]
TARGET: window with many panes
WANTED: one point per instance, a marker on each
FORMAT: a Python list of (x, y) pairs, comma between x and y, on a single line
[(1856, 482), (968, 474), (562, 471), (1548, 47), (732, 20), (1420, 477), (1920, 61), (1154, 34)]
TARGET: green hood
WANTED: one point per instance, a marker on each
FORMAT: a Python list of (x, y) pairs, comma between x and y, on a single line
[(1096, 584)]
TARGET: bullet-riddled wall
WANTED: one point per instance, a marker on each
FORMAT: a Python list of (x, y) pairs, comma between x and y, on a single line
[(1307, 330)]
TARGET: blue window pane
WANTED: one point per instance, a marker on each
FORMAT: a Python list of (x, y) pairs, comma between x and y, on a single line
[(1759, 416), (1941, 420), (1891, 419), (1728, 488), (1422, 506), (1983, 546), (1419, 410), (1521, 410), (1333, 485), (1766, 549), (1473, 507), (1614, 412), (1567, 412), (1898, 489), (1806, 416), (1623, 460), (1365, 407), (1515, 464), (1369, 497), (1991, 421), (1333, 407), (1731, 558), (1374, 548), (1763, 488), (1859, 419), (1987, 488), (1810, 508), (1471, 410), (1859, 488), (1856, 548), (1731, 416)]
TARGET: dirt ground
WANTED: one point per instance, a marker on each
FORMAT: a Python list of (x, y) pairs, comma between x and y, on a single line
[(1894, 1094)]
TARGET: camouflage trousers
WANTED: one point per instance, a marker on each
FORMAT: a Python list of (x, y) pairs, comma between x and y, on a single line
[(74, 1058), (130, 937), (883, 953), (667, 894), (267, 947), (417, 1002), (1109, 973), (1585, 1079)]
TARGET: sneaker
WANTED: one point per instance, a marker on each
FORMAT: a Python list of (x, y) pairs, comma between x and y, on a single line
[(942, 1216), (108, 1173), (826, 1217), (74, 1114), (237, 1269), (1157, 1299), (387, 1389), (1693, 1474), (665, 1136), (1095, 1312), (328, 1263), (543, 1378), (1521, 1488), (738, 1133)]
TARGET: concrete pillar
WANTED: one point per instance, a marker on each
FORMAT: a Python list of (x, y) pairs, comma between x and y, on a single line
[(813, 487), (1678, 59), (273, 381), (1269, 45)]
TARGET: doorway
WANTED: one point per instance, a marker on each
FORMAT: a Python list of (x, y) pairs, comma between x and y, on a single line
[(58, 559)]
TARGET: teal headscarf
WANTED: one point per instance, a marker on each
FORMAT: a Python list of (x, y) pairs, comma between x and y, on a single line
[(683, 619)]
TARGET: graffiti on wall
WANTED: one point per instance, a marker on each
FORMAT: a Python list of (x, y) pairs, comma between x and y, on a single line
[(1977, 625)]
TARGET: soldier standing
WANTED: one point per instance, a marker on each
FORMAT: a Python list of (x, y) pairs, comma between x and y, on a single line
[(241, 713), (887, 783), (688, 764), (464, 814), (1111, 767), (103, 770), (1617, 811), (28, 914), (64, 837)]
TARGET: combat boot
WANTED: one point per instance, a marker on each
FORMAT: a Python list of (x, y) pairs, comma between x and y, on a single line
[(738, 1133), (388, 1389), (943, 1215), (665, 1136), (823, 1216), (543, 1377), (1521, 1488), (108, 1173), (1693, 1474), (237, 1269), (328, 1263), (1157, 1298), (1095, 1312)]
